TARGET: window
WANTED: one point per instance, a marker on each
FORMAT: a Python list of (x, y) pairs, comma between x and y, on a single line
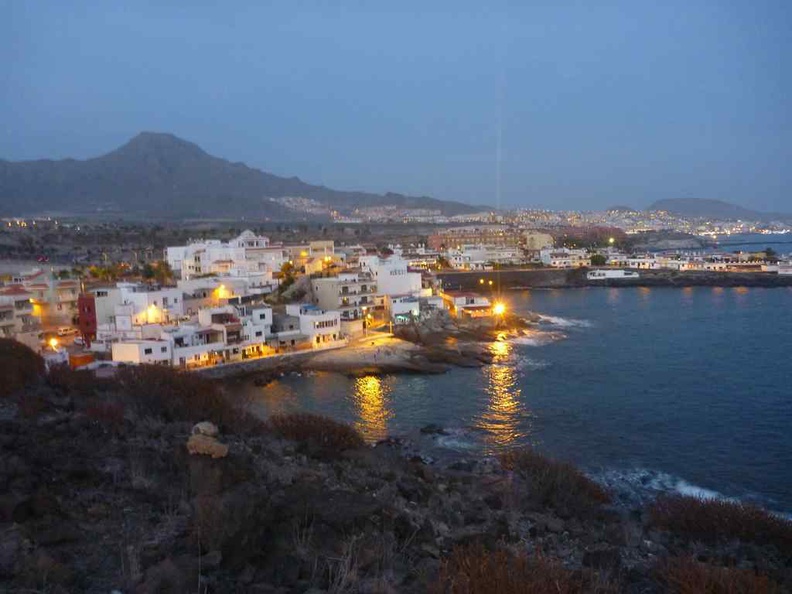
[(163, 349), (146, 351), (258, 333), (262, 316)]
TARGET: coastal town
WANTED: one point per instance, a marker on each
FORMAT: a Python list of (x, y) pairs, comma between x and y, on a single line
[(212, 302)]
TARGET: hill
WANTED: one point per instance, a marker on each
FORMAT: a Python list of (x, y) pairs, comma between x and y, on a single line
[(715, 209), (164, 176)]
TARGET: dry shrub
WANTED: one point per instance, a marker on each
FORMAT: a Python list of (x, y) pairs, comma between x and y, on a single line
[(175, 395), (713, 520), (107, 414), (687, 576), (74, 381), (30, 406), (553, 483), (319, 436), (473, 569), (19, 366)]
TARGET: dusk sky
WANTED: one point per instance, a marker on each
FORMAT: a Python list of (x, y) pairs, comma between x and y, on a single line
[(601, 103)]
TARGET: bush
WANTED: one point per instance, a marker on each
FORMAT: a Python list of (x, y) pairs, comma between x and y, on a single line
[(687, 576), (74, 381), (174, 395), (473, 569), (713, 520), (553, 483), (318, 435), (19, 366), (107, 414)]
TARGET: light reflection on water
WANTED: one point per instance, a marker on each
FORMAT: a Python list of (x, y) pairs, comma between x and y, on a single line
[(503, 422), (373, 407)]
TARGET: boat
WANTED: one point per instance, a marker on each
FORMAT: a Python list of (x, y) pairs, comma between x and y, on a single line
[(616, 273)]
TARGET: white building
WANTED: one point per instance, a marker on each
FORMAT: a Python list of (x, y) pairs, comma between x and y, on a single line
[(319, 325), (350, 293), (143, 351), (463, 303), (564, 257), (391, 275), (403, 309), (248, 252)]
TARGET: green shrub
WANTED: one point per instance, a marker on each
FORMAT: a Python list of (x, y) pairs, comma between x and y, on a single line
[(712, 520), (19, 366), (553, 483), (319, 436), (688, 576)]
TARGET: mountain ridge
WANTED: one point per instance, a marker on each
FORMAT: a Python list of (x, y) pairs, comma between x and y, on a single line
[(710, 208), (162, 174)]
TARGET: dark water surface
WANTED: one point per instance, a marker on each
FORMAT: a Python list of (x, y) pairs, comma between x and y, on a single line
[(649, 390)]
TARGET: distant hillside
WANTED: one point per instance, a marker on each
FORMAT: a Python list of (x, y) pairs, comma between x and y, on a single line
[(715, 209), (161, 175)]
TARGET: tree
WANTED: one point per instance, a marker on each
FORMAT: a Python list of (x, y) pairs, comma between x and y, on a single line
[(598, 260), (163, 272), (770, 254), (148, 271)]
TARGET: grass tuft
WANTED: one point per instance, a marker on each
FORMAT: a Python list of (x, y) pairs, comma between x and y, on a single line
[(554, 483), (712, 520), (473, 569), (688, 576)]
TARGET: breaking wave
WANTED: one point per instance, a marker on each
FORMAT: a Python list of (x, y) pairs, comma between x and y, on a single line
[(564, 322), (640, 485)]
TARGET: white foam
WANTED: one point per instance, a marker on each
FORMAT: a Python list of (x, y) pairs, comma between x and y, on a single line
[(564, 322), (641, 483)]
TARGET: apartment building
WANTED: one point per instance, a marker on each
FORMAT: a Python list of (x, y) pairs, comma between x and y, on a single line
[(352, 294)]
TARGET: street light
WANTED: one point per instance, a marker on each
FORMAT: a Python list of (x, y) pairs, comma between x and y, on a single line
[(53, 342), (499, 309)]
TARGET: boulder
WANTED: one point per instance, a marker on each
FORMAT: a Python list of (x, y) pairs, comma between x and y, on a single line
[(205, 428), (201, 444)]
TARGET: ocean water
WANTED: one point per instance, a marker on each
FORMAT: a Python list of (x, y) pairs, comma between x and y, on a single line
[(649, 390)]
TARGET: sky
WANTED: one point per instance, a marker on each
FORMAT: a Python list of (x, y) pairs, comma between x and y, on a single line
[(558, 104)]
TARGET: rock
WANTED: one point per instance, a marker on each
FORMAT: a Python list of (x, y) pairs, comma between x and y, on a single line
[(212, 560), (433, 429), (207, 446), (164, 577), (205, 428), (10, 550), (606, 559)]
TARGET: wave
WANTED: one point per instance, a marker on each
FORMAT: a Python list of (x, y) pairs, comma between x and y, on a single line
[(564, 322), (639, 485), (532, 364)]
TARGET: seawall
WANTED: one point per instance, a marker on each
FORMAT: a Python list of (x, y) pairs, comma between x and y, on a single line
[(546, 278)]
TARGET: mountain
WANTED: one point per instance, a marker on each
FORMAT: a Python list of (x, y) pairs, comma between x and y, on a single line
[(161, 175), (712, 209)]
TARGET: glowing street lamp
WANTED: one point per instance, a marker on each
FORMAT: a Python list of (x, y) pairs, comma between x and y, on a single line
[(611, 240), (499, 309), (53, 342)]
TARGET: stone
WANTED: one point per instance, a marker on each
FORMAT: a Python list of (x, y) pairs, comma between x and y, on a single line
[(205, 445), (211, 560), (205, 428), (606, 558)]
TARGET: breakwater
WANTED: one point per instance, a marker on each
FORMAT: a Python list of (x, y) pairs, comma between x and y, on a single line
[(545, 278)]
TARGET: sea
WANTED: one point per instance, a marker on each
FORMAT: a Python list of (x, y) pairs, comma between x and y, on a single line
[(648, 390)]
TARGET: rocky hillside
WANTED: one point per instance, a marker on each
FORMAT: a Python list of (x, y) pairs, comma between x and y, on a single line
[(109, 485), (163, 176)]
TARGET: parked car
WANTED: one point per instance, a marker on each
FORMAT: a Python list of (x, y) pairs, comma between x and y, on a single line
[(66, 331), (78, 340)]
